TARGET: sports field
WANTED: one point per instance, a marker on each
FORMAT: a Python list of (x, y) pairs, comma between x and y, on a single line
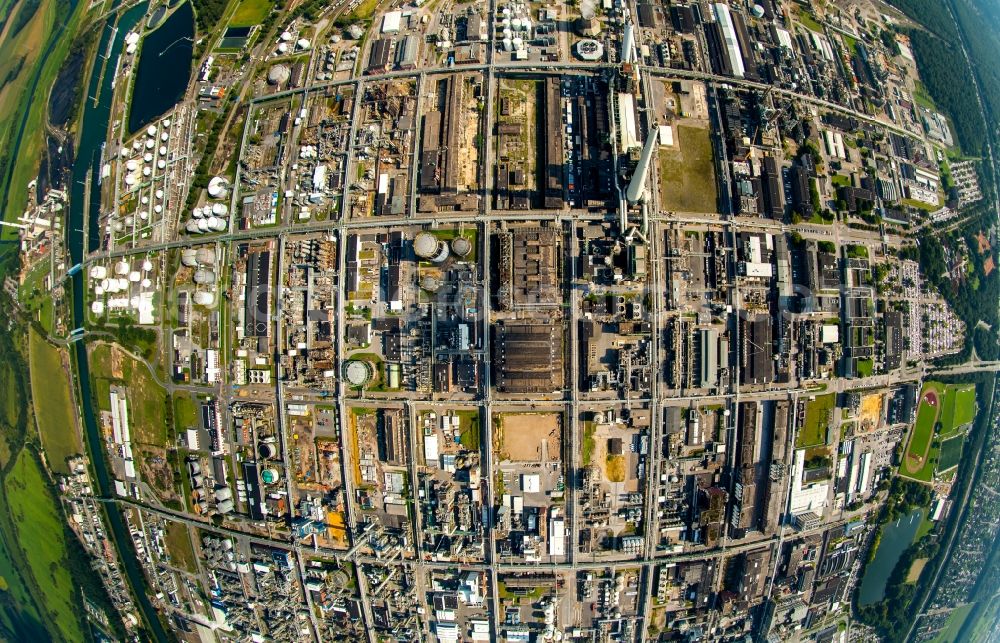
[(951, 453), (944, 410)]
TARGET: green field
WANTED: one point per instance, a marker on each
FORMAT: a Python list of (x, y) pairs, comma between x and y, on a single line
[(955, 621), (250, 12), (814, 428), (32, 506), (809, 22), (468, 424), (185, 413), (958, 408), (921, 97), (687, 172), (951, 453), (178, 543), (53, 402), (35, 297), (588, 441), (147, 400), (866, 367)]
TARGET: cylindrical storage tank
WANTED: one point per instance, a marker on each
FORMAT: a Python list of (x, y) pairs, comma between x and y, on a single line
[(151, 130), (270, 476), (134, 276), (144, 200), (164, 137), (204, 277), (189, 256), (205, 255), (97, 307), (223, 493), (158, 208), (146, 171), (161, 164), (117, 225), (130, 180), (121, 268), (105, 284), (203, 298), (147, 157), (218, 224), (98, 272), (197, 213), (150, 144), (225, 507), (357, 372), (159, 194), (461, 246), (427, 246), (266, 450), (98, 291), (146, 283), (430, 284), (147, 265), (217, 187), (144, 215), (130, 221), (162, 150), (132, 165), (219, 209), (192, 226), (202, 225)]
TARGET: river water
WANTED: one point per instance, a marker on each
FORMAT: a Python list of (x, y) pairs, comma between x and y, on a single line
[(93, 133), (164, 68), (894, 541)]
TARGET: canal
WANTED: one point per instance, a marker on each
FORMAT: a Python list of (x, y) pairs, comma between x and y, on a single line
[(164, 68), (93, 134), (896, 537)]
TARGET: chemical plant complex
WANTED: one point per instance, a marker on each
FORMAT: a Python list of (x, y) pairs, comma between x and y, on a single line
[(516, 321)]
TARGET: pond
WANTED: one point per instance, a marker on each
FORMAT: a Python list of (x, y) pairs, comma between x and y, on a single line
[(164, 68), (896, 537)]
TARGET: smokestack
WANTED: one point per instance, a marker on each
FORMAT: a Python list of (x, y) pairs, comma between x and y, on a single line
[(637, 186)]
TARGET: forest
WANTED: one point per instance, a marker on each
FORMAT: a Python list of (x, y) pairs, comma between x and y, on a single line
[(936, 62)]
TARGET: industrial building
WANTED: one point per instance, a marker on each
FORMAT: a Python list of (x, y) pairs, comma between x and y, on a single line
[(442, 147), (756, 363), (552, 163), (527, 357), (527, 267)]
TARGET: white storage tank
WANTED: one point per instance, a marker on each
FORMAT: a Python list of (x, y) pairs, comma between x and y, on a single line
[(427, 246), (205, 256)]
